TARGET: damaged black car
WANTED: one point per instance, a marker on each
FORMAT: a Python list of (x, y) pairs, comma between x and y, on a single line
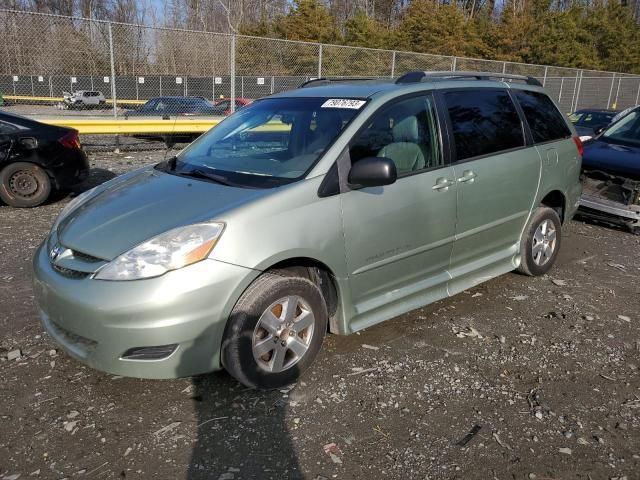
[(611, 174)]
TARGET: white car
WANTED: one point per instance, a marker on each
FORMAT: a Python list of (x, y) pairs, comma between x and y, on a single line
[(82, 99)]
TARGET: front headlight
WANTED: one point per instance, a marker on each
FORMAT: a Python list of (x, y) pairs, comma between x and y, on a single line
[(171, 250)]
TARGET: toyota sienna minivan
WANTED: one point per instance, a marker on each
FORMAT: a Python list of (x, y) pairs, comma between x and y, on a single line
[(329, 208)]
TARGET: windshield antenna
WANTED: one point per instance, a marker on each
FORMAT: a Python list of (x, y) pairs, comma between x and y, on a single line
[(168, 143)]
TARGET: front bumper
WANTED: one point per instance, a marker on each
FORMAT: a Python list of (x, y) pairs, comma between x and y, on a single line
[(610, 211), (97, 321)]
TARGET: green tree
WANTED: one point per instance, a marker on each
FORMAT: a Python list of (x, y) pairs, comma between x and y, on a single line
[(615, 35), (430, 27), (308, 20), (561, 39), (364, 31)]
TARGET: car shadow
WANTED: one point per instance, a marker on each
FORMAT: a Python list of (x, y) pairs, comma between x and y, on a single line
[(589, 220), (96, 177), (241, 433)]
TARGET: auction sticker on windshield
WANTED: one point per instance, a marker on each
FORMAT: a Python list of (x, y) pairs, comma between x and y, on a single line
[(343, 103)]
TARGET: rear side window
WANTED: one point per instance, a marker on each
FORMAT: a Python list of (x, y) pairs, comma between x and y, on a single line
[(544, 119), (483, 122)]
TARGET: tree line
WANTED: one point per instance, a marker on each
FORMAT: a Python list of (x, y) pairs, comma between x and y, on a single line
[(589, 34)]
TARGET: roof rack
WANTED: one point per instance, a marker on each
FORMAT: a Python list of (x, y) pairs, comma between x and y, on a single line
[(316, 82), (417, 77)]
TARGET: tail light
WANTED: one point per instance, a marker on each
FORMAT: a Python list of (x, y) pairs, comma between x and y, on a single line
[(579, 145), (71, 140)]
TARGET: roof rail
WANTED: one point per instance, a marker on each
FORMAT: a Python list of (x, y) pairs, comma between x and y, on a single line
[(316, 82), (417, 76)]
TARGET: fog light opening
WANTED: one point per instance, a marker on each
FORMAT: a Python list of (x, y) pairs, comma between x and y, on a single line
[(150, 353)]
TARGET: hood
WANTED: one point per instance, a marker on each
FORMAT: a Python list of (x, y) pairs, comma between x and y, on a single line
[(138, 207), (611, 157)]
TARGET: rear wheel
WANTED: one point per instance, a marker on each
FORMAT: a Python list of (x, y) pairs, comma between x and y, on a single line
[(540, 242), (24, 184), (275, 331)]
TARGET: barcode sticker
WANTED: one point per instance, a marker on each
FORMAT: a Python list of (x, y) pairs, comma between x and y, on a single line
[(343, 103)]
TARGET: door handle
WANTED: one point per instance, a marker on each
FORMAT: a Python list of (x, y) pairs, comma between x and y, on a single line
[(467, 176), (443, 184)]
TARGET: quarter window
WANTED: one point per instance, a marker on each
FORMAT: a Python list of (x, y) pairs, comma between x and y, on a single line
[(483, 122), (405, 132), (544, 119)]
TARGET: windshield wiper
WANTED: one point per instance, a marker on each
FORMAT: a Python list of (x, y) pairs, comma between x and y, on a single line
[(199, 173)]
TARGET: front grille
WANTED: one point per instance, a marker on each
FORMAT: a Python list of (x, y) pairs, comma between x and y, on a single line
[(85, 257), (67, 272)]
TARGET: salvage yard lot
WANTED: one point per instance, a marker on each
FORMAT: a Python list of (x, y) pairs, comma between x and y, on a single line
[(547, 367)]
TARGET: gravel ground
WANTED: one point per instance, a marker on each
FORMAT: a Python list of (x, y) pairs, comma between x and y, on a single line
[(544, 370)]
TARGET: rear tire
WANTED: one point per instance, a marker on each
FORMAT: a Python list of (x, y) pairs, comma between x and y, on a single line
[(24, 185), (540, 242), (275, 331)]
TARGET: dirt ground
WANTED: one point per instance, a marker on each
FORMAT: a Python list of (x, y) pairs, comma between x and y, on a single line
[(546, 368)]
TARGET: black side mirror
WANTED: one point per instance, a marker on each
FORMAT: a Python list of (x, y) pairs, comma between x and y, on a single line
[(373, 172)]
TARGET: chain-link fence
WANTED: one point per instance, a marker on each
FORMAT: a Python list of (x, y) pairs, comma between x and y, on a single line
[(64, 65)]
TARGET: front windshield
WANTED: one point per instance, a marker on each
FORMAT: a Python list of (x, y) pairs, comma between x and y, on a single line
[(270, 142), (625, 131)]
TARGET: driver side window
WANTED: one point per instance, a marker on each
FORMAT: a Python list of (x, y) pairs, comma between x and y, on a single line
[(405, 132)]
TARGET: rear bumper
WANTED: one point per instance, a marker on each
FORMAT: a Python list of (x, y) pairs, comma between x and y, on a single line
[(96, 321), (72, 169)]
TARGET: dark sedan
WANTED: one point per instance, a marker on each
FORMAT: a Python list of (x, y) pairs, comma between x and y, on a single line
[(617, 148), (36, 158), (180, 106), (588, 122)]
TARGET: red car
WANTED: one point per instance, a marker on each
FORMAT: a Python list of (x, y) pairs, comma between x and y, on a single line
[(224, 104)]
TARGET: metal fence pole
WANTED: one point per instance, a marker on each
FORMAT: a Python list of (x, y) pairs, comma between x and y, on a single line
[(615, 102), (51, 87), (393, 64), (638, 94), (160, 78), (504, 67), (613, 81), (454, 64), (233, 73), (544, 79), (575, 87), (561, 87), (320, 61), (113, 74), (575, 106), (33, 93)]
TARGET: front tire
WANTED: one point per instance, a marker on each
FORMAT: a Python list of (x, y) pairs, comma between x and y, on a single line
[(540, 242), (24, 184), (275, 331)]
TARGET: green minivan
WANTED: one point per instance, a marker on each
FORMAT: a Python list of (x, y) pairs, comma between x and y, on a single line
[(332, 207)]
